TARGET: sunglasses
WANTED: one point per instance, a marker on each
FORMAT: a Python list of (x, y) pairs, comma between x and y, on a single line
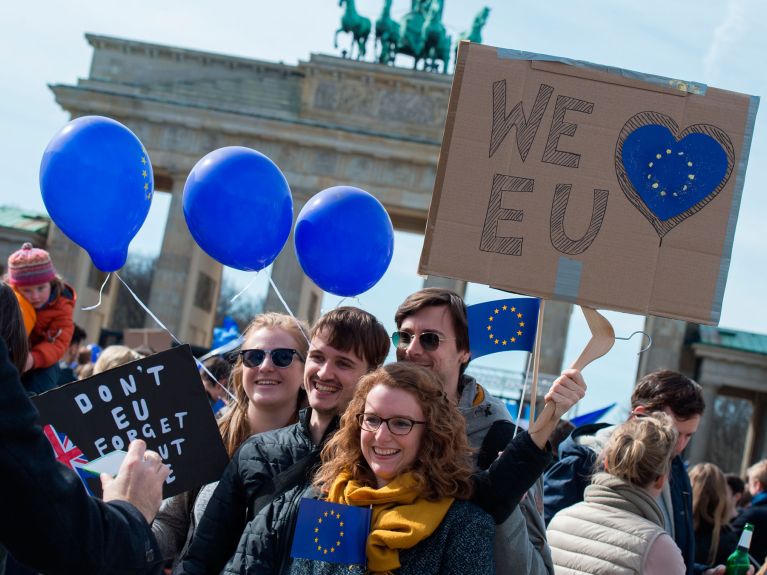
[(429, 340), (281, 356)]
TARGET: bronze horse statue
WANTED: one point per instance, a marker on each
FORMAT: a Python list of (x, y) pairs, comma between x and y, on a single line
[(436, 42), (387, 34), (358, 26)]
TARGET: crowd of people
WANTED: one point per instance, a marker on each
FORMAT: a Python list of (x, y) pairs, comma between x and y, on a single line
[(453, 486)]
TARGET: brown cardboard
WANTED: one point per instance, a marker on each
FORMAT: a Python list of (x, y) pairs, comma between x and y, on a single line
[(589, 228)]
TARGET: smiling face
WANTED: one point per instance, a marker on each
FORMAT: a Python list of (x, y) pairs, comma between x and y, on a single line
[(268, 385), (447, 359), (331, 375), (388, 454), (38, 295)]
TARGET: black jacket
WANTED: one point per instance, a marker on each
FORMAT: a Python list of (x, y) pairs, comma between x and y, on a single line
[(756, 515), (47, 520), (248, 523)]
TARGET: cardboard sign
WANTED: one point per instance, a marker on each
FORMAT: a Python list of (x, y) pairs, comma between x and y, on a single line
[(159, 399), (603, 187)]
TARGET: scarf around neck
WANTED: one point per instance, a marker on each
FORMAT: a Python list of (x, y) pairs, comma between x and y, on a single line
[(401, 517), (614, 492)]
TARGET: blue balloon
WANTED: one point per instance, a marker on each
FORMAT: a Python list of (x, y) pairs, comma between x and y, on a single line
[(97, 185), (344, 240), (238, 207)]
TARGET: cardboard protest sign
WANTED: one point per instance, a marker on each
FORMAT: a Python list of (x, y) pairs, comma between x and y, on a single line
[(603, 187), (159, 399)]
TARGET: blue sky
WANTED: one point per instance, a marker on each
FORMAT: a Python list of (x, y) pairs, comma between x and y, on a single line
[(719, 43)]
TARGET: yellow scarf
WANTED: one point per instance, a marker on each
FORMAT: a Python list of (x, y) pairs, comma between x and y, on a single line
[(401, 517)]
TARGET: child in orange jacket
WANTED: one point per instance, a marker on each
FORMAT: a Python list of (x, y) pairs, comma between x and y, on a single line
[(33, 278)]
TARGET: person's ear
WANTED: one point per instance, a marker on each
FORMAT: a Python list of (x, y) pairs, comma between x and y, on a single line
[(659, 482), (639, 409), (465, 357)]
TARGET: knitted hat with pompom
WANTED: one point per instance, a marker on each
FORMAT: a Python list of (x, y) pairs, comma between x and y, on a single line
[(30, 266)]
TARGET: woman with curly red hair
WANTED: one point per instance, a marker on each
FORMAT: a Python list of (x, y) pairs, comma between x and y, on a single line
[(402, 449)]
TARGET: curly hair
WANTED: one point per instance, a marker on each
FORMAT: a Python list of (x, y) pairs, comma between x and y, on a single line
[(710, 502), (641, 449), (443, 467), (233, 424)]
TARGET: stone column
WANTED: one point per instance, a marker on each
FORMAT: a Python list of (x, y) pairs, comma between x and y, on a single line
[(697, 450), (300, 293), (667, 342), (186, 281), (556, 324), (458, 286)]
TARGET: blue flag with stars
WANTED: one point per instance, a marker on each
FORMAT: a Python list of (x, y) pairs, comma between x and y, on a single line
[(331, 532), (502, 325)]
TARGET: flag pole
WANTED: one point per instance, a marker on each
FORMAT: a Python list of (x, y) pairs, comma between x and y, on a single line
[(536, 363)]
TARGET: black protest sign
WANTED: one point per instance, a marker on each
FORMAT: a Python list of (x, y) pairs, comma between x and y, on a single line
[(159, 399)]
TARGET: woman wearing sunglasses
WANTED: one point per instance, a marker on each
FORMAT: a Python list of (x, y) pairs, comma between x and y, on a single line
[(402, 449), (267, 385)]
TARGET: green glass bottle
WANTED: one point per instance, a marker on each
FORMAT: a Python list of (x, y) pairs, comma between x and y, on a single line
[(738, 562)]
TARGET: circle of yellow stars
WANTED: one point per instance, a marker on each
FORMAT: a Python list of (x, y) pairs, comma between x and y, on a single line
[(333, 515), (656, 184), (520, 324), (145, 175)]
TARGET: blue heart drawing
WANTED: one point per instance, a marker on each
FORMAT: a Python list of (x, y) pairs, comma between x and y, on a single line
[(668, 175)]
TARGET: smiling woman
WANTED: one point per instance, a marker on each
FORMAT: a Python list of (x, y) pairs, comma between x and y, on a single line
[(402, 449)]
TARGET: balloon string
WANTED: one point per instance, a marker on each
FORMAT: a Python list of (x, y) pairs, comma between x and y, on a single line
[(163, 326), (106, 279), (287, 307), (243, 290), (522, 397)]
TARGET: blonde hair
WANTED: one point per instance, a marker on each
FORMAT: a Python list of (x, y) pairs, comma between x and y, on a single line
[(443, 467), (710, 502), (641, 449), (234, 425), (114, 356), (758, 472)]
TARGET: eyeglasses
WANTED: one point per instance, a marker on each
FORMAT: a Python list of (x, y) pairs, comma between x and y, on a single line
[(281, 356), (429, 340), (397, 425)]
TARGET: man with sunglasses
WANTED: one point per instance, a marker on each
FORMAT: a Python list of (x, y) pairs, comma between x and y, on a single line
[(249, 522), (433, 331)]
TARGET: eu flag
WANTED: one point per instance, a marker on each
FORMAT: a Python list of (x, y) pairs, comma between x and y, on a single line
[(502, 325), (331, 532)]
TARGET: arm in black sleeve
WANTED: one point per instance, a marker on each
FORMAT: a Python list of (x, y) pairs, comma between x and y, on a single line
[(499, 489), (47, 519), (218, 533)]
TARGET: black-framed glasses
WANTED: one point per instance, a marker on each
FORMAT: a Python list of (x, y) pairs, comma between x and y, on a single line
[(397, 425), (429, 340), (281, 356)]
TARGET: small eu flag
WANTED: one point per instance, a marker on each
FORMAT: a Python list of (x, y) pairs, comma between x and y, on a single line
[(502, 325), (331, 532)]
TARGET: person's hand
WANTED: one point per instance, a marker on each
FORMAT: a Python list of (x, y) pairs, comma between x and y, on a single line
[(139, 480), (567, 390), (30, 363)]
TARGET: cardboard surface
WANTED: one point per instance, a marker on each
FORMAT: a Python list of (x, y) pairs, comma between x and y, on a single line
[(602, 187), (159, 399)]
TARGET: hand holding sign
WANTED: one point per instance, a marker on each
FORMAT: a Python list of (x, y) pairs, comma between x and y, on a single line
[(139, 480)]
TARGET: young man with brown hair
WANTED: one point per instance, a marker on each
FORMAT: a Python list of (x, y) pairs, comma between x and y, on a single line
[(432, 331), (248, 524)]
